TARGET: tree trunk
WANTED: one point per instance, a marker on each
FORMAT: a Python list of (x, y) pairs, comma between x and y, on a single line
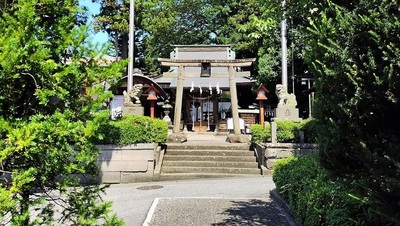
[(124, 46)]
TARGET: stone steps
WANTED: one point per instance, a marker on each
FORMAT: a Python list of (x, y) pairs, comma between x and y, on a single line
[(168, 158), (209, 152), (223, 170), (209, 145), (208, 160), (209, 164), (187, 176)]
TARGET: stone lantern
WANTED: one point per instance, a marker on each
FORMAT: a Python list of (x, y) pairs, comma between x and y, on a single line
[(261, 96), (152, 97), (167, 108)]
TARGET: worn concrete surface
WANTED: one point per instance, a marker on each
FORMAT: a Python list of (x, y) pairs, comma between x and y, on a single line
[(208, 201), (220, 201)]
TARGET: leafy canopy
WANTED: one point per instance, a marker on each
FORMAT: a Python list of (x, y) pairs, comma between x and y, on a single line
[(48, 117), (353, 51), (251, 27)]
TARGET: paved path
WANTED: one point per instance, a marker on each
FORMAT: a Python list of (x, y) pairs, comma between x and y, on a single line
[(196, 138), (206, 136), (221, 201)]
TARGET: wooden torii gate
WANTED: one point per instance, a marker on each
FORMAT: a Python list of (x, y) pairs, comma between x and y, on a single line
[(230, 64)]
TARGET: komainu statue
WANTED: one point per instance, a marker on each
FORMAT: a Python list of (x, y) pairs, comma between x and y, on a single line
[(137, 71), (132, 98), (285, 99)]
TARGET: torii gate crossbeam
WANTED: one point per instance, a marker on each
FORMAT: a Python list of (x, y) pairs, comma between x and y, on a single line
[(231, 64)]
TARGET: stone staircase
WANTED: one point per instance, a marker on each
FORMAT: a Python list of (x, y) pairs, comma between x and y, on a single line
[(206, 159)]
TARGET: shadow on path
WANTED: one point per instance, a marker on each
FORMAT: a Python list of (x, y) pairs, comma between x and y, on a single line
[(217, 212), (253, 212)]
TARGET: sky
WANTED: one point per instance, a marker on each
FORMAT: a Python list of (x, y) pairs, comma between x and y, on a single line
[(94, 8)]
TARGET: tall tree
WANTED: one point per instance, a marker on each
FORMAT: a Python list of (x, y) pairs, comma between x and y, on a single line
[(160, 24), (114, 19), (353, 49), (172, 22), (251, 27), (47, 120)]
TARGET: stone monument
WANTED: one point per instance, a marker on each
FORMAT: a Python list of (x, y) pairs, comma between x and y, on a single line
[(167, 108), (132, 104), (286, 108)]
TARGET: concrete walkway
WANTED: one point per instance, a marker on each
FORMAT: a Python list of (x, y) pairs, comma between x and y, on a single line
[(220, 201), (209, 136), (200, 138)]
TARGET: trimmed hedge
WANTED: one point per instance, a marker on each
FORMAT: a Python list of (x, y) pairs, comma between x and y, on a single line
[(316, 198), (309, 127), (260, 134), (287, 131), (133, 129)]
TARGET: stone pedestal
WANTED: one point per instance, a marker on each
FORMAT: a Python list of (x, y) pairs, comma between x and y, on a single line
[(167, 119), (273, 133), (132, 111), (287, 113), (126, 164)]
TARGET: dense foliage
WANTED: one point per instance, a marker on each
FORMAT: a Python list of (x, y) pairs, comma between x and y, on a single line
[(287, 131), (252, 28), (114, 19), (260, 133), (354, 52), (317, 198), (47, 117), (132, 130)]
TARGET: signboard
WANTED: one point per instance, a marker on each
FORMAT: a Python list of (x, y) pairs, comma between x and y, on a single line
[(116, 105)]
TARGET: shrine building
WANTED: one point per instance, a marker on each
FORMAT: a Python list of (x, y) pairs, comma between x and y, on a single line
[(208, 89)]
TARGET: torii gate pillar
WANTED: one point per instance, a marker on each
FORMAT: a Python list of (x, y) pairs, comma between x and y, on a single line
[(231, 64), (234, 101), (178, 101)]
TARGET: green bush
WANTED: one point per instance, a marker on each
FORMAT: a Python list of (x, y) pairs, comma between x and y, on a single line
[(260, 133), (132, 130), (354, 58), (309, 127), (316, 198), (287, 131)]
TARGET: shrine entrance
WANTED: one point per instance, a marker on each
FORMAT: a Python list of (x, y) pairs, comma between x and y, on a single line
[(203, 68), (201, 113), (230, 77)]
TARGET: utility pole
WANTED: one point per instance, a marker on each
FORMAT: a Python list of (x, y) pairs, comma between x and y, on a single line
[(131, 44), (284, 47)]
